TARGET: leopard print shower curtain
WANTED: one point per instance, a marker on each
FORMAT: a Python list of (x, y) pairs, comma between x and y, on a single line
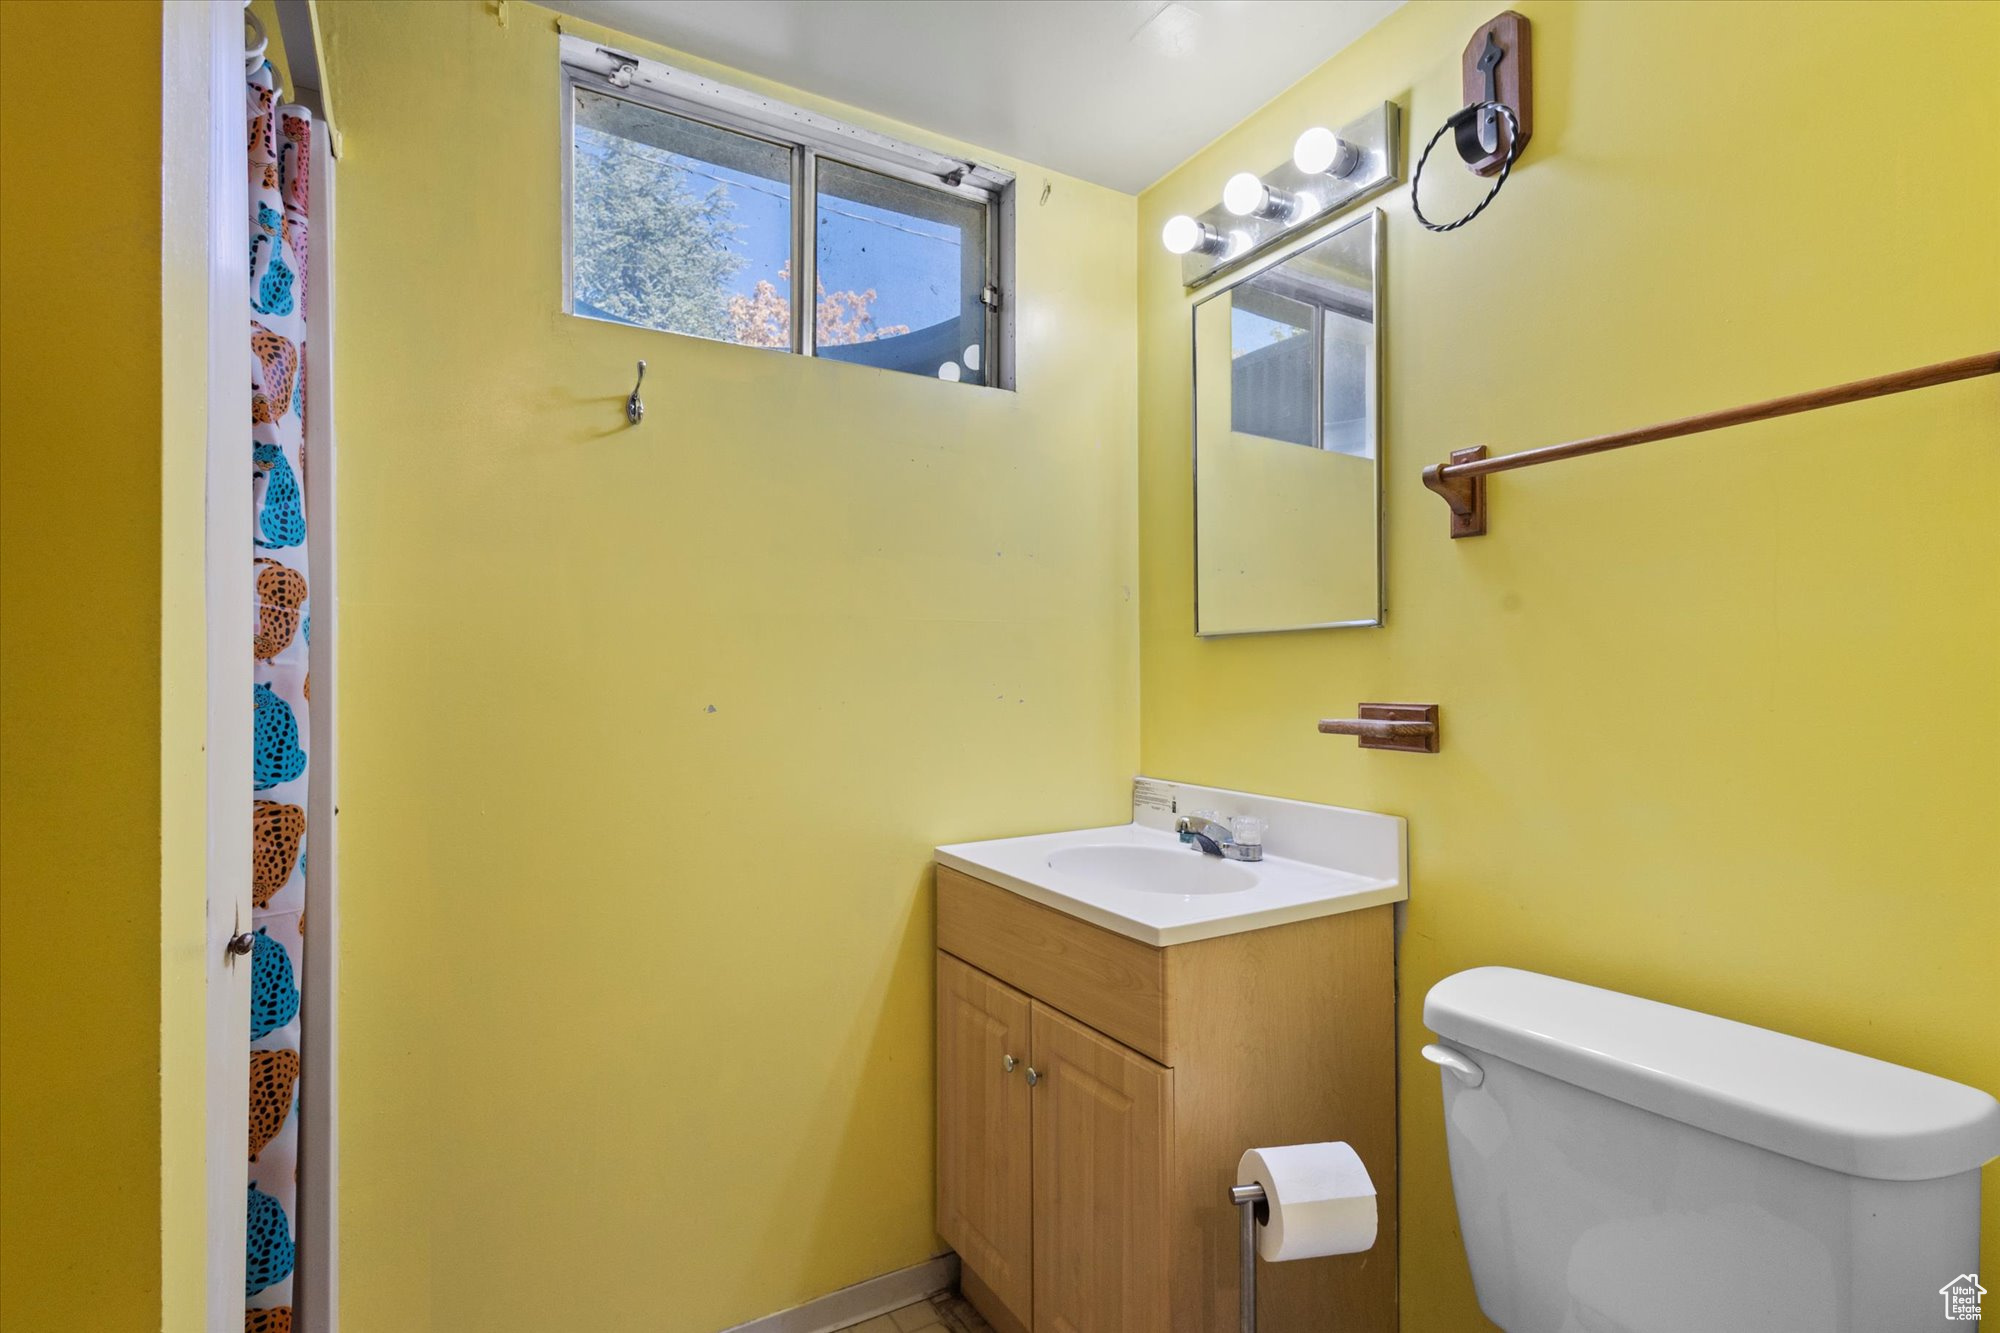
[(280, 138)]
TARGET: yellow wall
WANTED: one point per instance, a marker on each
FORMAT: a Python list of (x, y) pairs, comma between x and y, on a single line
[(1721, 717), (103, 708), (637, 1010), (80, 670), (647, 733)]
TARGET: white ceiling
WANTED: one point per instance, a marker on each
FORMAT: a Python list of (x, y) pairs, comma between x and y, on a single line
[(1115, 91)]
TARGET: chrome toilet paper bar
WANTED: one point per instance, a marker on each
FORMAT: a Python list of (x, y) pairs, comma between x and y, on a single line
[(1246, 1198)]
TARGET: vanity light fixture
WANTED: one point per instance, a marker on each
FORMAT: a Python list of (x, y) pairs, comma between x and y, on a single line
[(1329, 171), (1321, 152), (1248, 197), (1184, 235)]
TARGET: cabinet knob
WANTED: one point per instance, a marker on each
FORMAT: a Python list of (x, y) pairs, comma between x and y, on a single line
[(1007, 1064), (242, 944), (1033, 1077)]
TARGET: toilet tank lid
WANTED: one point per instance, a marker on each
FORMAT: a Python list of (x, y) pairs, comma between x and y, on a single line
[(1818, 1104)]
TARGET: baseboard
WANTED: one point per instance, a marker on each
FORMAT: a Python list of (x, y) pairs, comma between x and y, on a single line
[(863, 1300)]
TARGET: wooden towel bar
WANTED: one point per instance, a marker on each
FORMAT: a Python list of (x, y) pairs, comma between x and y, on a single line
[(1462, 481)]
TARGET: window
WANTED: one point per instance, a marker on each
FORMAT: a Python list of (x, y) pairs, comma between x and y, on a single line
[(674, 222), (902, 271), (700, 209)]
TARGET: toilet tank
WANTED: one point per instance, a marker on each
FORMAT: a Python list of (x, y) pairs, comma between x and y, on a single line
[(1625, 1166)]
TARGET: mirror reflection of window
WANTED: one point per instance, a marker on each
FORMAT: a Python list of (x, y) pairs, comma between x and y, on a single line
[(1348, 385), (1302, 349), (1288, 488), (1271, 366)]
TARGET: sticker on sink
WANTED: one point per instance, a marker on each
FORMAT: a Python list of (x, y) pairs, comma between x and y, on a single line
[(1149, 794)]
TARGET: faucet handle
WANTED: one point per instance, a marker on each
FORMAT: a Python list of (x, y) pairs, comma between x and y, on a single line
[(1196, 823)]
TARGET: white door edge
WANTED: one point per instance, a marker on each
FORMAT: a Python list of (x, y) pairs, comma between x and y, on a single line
[(228, 610)]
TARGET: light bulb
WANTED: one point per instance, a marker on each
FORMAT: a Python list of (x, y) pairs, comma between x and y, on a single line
[(1185, 235), (1319, 151), (1244, 194)]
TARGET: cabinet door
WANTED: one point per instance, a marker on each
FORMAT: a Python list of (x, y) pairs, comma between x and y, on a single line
[(984, 1132), (1102, 1119)]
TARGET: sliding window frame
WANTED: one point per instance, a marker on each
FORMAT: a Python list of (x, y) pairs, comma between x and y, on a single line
[(808, 136)]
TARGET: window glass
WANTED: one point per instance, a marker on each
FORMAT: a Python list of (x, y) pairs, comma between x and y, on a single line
[(900, 270), (680, 226)]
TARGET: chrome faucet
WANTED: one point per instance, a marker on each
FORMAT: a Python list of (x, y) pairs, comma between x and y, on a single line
[(1213, 838)]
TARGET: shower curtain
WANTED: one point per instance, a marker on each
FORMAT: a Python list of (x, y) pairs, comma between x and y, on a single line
[(279, 138)]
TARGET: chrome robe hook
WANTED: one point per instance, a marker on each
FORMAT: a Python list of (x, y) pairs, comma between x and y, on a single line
[(635, 407)]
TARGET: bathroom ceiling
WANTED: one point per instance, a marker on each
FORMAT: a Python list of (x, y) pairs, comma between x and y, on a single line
[(1115, 91)]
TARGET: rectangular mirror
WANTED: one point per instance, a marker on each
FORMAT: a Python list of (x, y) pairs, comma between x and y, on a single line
[(1287, 441)]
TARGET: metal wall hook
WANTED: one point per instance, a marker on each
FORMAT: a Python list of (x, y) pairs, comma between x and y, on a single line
[(635, 407)]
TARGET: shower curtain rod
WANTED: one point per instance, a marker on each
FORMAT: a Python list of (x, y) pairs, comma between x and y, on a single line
[(1462, 481)]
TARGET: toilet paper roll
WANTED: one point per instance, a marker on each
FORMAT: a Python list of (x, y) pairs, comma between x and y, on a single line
[(1320, 1198)]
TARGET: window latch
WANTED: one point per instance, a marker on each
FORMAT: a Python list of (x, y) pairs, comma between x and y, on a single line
[(989, 296)]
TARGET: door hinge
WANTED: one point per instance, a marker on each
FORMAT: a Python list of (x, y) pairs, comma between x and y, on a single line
[(989, 296)]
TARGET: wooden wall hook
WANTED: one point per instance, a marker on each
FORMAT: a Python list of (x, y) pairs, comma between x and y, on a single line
[(1409, 727), (1498, 67)]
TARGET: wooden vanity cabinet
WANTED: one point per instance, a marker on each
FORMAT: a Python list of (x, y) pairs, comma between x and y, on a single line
[(984, 1142), (1095, 1092), (1103, 1116)]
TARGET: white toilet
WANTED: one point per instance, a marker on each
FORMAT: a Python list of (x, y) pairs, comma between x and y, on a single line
[(1623, 1166)]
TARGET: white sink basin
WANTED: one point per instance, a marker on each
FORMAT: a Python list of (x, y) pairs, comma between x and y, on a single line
[(1152, 869), (1141, 881)]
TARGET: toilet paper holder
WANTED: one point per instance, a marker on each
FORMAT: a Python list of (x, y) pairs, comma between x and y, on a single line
[(1250, 1201), (1299, 1201)]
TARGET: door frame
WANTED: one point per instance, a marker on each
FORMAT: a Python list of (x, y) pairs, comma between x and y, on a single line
[(217, 228), (228, 612)]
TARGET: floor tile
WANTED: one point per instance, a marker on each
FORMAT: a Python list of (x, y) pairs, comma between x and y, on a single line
[(945, 1312), (958, 1316), (915, 1318)]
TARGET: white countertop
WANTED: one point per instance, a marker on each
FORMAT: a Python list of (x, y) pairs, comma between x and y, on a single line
[(1281, 890)]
